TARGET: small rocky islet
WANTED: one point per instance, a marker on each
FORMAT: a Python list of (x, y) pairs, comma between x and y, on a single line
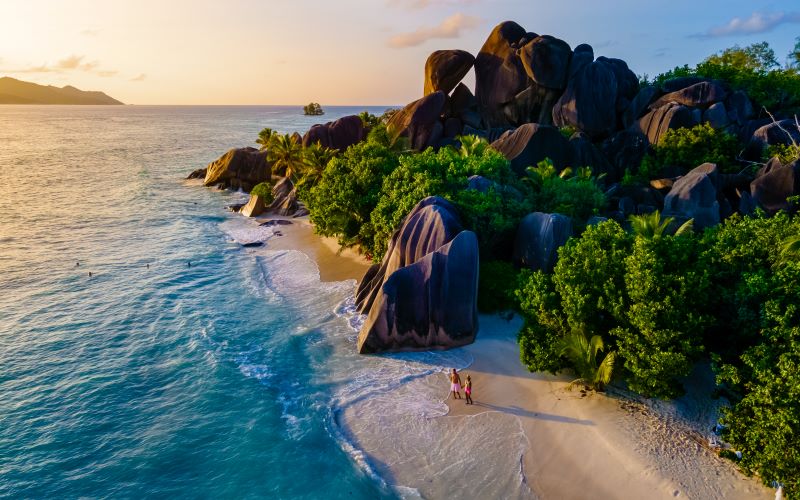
[(529, 89)]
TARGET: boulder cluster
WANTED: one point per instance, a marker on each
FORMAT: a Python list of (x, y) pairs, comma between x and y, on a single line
[(529, 90)]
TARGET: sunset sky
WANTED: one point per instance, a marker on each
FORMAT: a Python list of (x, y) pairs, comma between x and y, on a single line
[(344, 51)]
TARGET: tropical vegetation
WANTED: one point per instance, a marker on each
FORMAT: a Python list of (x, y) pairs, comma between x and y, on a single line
[(313, 109)]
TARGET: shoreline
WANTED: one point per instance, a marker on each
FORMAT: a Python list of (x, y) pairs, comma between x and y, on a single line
[(568, 442)]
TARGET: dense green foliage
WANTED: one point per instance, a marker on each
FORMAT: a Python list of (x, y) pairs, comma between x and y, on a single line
[(264, 190), (313, 108), (687, 148), (286, 156), (496, 286), (753, 69), (786, 153), (265, 137), (572, 193), (582, 354), (492, 215), (348, 191), (642, 293), (756, 297)]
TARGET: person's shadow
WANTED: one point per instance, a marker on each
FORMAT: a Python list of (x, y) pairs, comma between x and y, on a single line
[(521, 412)]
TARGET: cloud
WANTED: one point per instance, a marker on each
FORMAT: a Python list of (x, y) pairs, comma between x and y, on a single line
[(449, 28), (422, 4), (758, 22), (66, 65), (71, 62), (139, 78)]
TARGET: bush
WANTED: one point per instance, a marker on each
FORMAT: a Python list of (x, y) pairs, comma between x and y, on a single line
[(348, 191), (575, 194), (689, 147), (264, 190), (496, 286), (643, 295), (786, 153), (492, 215)]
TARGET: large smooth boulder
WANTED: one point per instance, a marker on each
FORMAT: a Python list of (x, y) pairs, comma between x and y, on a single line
[(444, 69), (624, 150), (531, 143), (699, 95), (284, 198), (546, 61), (338, 134), (499, 73), (582, 56), (254, 207), (774, 185), (420, 121), (669, 116), (539, 236), (639, 104), (583, 153), (424, 293), (589, 102), (781, 132), (694, 196), (740, 108), (240, 168), (717, 116)]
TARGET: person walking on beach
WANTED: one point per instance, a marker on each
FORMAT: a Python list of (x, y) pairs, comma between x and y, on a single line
[(468, 390), (455, 384)]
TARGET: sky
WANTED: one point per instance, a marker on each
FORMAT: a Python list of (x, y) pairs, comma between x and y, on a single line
[(343, 52)]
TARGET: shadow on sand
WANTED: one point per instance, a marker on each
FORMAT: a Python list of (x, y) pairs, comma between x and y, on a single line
[(521, 412)]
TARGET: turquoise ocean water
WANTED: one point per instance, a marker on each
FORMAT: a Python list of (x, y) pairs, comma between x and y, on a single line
[(218, 380)]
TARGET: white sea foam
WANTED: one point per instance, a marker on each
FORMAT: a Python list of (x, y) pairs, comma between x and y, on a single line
[(246, 231)]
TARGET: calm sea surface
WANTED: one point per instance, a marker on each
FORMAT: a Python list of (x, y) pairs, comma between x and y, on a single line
[(214, 380)]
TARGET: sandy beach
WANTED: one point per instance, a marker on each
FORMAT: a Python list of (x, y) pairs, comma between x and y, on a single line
[(526, 436)]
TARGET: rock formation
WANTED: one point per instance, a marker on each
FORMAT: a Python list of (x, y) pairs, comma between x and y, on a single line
[(338, 134), (254, 207), (241, 168), (531, 143), (539, 237), (444, 69), (694, 196), (420, 121), (424, 293)]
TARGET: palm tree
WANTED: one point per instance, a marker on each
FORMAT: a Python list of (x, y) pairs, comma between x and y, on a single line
[(472, 145), (286, 155), (651, 226), (369, 120), (790, 251), (264, 138), (315, 159), (582, 353)]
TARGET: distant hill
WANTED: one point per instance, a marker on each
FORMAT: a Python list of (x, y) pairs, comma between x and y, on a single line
[(13, 91)]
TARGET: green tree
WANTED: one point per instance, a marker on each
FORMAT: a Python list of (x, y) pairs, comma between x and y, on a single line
[(265, 138), (497, 282), (471, 145), (286, 156), (369, 120), (573, 193), (688, 148), (348, 191), (315, 158), (794, 55), (652, 226), (757, 57), (264, 190), (313, 109)]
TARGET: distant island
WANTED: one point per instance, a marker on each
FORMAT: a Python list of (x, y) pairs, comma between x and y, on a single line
[(313, 109), (13, 91)]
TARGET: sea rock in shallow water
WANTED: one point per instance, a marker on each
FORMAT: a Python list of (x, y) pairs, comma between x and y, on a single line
[(254, 207), (444, 69), (539, 237), (424, 293), (241, 168)]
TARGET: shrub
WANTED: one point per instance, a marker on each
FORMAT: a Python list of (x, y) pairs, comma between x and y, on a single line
[(689, 147), (348, 191), (264, 190), (545, 327), (491, 215), (786, 153), (572, 193), (496, 286)]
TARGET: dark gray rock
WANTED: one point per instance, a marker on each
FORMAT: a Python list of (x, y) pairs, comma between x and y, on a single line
[(694, 196), (444, 69), (546, 61), (624, 150), (740, 109), (717, 116), (582, 56), (656, 123), (639, 104), (338, 134), (499, 73), (781, 132), (699, 95), (200, 173), (675, 84), (583, 153), (589, 101), (774, 185), (531, 143), (423, 295), (420, 121), (241, 168), (538, 239)]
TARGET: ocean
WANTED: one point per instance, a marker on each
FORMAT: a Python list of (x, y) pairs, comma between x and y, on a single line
[(187, 365)]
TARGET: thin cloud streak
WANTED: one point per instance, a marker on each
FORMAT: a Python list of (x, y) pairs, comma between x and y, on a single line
[(449, 28), (757, 23), (139, 78), (423, 4)]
